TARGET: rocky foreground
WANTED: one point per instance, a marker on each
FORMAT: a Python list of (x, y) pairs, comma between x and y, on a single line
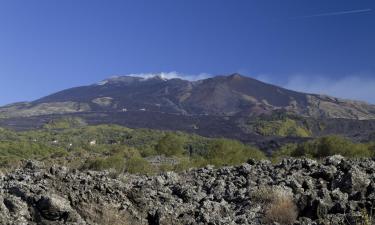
[(295, 191)]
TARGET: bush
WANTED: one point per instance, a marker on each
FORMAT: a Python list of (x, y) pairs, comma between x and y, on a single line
[(325, 146), (184, 163), (229, 152), (277, 203), (332, 145), (9, 162), (285, 151), (282, 210), (263, 195), (371, 147), (138, 165), (171, 145), (116, 162), (124, 151), (11, 152), (147, 151), (115, 145)]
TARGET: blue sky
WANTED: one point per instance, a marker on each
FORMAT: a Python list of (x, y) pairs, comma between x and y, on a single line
[(313, 46)]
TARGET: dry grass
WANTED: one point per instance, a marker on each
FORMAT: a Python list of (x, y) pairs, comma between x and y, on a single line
[(366, 218), (282, 210), (278, 205), (263, 195)]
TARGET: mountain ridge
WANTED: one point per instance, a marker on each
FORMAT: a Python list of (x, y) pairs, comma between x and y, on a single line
[(220, 95)]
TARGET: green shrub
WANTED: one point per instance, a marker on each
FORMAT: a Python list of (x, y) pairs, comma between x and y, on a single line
[(147, 151), (138, 165), (326, 146), (123, 151), (170, 145), (332, 145), (25, 149), (285, 151), (116, 162), (166, 167), (371, 147), (184, 164), (229, 152), (9, 162), (114, 145)]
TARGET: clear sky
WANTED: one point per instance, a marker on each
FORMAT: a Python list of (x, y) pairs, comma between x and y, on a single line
[(315, 46)]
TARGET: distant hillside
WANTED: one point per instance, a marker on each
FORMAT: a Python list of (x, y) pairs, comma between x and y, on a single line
[(234, 106), (220, 96)]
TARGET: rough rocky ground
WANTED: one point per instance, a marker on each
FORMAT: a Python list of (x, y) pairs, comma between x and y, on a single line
[(295, 191)]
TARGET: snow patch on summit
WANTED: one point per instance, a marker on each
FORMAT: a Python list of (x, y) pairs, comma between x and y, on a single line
[(161, 76), (103, 82)]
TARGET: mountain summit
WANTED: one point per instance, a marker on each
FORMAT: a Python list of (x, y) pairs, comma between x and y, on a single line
[(220, 96)]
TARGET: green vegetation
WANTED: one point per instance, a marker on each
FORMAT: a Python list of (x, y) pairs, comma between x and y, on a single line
[(114, 162), (11, 152), (326, 146), (229, 152), (171, 144), (119, 149), (138, 165), (65, 123), (283, 127), (279, 123)]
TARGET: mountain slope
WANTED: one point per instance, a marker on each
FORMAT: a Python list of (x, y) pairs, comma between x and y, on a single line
[(219, 96)]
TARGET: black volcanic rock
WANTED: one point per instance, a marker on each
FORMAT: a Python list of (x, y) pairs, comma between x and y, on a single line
[(244, 194)]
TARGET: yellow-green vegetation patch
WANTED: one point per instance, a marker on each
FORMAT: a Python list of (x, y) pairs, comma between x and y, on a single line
[(65, 123), (285, 127)]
